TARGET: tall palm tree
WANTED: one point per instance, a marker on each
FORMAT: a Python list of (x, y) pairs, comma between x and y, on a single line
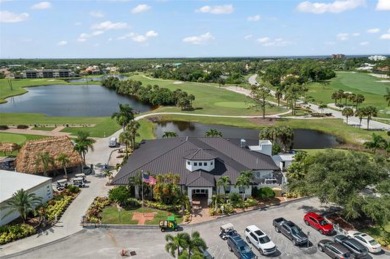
[(194, 243), (259, 95), (169, 134), (126, 138), (83, 143), (360, 114), (359, 99), (370, 111), (223, 182), (124, 116), (213, 133), (244, 179), (64, 160), (347, 112), (45, 160), (176, 242), (278, 95), (133, 127), (387, 96), (23, 203), (285, 136)]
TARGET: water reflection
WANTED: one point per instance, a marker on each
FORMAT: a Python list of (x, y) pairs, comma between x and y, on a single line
[(303, 138)]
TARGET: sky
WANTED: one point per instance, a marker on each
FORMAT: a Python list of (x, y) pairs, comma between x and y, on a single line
[(192, 28)]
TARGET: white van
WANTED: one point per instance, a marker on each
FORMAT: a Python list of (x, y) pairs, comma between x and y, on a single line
[(112, 142)]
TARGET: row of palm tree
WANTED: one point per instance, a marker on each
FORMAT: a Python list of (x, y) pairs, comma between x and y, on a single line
[(186, 245), (368, 112), (339, 95)]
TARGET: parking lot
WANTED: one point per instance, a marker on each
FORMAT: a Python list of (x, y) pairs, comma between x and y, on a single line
[(150, 243)]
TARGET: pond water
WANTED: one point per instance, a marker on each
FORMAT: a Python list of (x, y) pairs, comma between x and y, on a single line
[(303, 138), (70, 100)]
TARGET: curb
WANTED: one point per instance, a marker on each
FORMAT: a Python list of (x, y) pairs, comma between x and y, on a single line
[(43, 245)]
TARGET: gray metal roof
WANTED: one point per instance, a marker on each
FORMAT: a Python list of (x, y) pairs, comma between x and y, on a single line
[(199, 154), (168, 155), (200, 179)]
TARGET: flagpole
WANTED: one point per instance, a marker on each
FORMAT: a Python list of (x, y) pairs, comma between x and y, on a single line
[(142, 183)]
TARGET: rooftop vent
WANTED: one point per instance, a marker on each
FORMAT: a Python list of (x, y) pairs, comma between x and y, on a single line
[(243, 143)]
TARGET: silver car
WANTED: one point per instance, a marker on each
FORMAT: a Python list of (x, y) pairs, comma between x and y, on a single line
[(334, 250)]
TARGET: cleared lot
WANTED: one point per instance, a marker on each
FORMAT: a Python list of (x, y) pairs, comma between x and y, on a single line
[(150, 243)]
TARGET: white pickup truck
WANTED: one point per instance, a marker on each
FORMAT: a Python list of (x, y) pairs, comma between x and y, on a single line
[(259, 240)]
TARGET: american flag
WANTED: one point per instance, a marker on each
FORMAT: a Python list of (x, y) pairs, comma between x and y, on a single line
[(148, 179)]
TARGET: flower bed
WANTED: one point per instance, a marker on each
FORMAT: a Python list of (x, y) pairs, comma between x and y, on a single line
[(9, 233)]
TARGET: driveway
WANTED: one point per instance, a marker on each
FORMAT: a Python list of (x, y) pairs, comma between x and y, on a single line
[(150, 243)]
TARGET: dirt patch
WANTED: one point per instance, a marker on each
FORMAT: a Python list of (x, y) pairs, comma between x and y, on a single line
[(143, 217), (263, 122)]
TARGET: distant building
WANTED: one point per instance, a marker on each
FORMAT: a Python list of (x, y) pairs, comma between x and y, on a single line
[(377, 58), (47, 73), (11, 182), (338, 56)]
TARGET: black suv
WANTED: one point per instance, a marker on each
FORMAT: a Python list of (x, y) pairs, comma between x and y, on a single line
[(359, 250)]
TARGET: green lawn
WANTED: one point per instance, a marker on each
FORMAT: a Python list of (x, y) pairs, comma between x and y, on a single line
[(111, 215), (17, 138), (358, 83)]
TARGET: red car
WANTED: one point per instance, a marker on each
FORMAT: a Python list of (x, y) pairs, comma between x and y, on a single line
[(318, 222)]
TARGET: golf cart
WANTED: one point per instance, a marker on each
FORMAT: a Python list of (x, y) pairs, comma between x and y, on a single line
[(169, 224), (62, 184), (79, 182), (227, 230), (80, 176)]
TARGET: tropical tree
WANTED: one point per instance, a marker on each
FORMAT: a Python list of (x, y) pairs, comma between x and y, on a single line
[(176, 243), (259, 95), (359, 99), (377, 142), (347, 112), (223, 182), (360, 114), (213, 133), (64, 161), (370, 111), (387, 96), (124, 116), (285, 136), (244, 180), (23, 203), (278, 95), (169, 134), (44, 161), (126, 137), (132, 127), (194, 243), (83, 143), (166, 189), (322, 107)]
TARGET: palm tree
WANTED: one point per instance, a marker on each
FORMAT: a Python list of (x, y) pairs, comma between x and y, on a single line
[(322, 107), (64, 160), (335, 96), (377, 142), (347, 112), (23, 203), (278, 95), (213, 133), (370, 111), (133, 127), (169, 134), (387, 96), (126, 138), (244, 180), (176, 242), (359, 99), (83, 143), (124, 116), (259, 95), (223, 182), (360, 113), (194, 243), (45, 160), (285, 135)]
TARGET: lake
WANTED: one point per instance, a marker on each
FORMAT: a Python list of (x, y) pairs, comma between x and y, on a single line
[(70, 100), (303, 138)]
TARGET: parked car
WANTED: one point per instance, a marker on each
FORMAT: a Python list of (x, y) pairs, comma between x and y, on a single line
[(240, 248), (359, 250), (318, 222), (113, 142), (290, 230), (370, 243), (334, 250), (259, 240)]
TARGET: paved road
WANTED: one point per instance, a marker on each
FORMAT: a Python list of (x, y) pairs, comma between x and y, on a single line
[(353, 121), (149, 243)]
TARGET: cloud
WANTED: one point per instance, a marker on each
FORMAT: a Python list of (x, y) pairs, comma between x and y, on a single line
[(355, 34), (41, 6), (383, 5), (364, 43), (198, 40), (249, 36), (337, 6), (343, 36), (140, 8), (84, 36), (96, 14), (373, 30), (62, 43), (269, 42), (108, 25), (216, 9), (141, 38), (386, 36), (9, 17), (253, 18)]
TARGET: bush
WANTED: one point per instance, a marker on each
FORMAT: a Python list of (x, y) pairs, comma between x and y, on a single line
[(235, 199), (133, 203), (10, 233), (250, 202), (4, 127), (73, 189), (22, 127), (162, 206), (266, 193), (119, 194), (97, 206)]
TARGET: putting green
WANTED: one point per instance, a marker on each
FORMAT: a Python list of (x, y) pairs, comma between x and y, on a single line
[(14, 138), (238, 105)]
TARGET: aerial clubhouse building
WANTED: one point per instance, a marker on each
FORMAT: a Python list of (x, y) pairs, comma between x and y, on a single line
[(200, 162)]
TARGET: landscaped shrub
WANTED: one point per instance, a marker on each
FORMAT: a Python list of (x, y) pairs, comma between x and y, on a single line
[(250, 202), (119, 194), (73, 188), (4, 127), (58, 207), (133, 203), (9, 233), (161, 206), (97, 206), (265, 193), (235, 199), (22, 127)]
